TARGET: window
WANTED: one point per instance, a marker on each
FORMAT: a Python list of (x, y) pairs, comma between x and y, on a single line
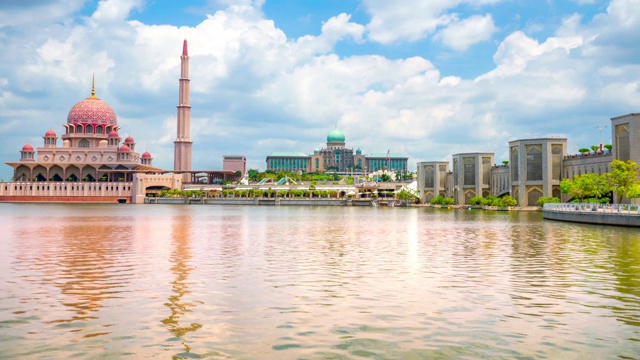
[(337, 154), (84, 143), (428, 177), (469, 171), (534, 163)]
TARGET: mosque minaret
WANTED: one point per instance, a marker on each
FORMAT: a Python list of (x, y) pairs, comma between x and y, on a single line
[(183, 143)]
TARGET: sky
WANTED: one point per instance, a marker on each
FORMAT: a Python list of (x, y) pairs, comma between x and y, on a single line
[(426, 79)]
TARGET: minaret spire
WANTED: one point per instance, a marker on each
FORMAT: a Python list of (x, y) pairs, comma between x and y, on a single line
[(183, 144), (93, 86)]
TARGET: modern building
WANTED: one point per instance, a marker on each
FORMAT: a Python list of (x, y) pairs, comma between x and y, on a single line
[(234, 163), (471, 175), (535, 167), (432, 177), (335, 156)]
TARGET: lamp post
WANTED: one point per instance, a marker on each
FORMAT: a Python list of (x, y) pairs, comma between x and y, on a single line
[(601, 128)]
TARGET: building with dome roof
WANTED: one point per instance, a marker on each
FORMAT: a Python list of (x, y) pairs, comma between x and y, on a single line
[(90, 164), (91, 149), (335, 156)]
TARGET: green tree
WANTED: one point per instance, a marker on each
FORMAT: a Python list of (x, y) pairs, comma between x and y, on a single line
[(595, 148), (253, 174), (623, 179), (406, 195), (587, 186)]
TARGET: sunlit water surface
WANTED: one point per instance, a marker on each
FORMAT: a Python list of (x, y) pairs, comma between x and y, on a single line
[(139, 281)]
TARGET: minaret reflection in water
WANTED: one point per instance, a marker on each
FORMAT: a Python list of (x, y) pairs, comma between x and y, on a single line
[(177, 302)]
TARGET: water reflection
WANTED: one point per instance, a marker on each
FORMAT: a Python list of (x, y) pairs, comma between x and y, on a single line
[(285, 283), (82, 258), (177, 302)]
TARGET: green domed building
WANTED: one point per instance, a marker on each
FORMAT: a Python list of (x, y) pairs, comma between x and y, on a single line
[(335, 156)]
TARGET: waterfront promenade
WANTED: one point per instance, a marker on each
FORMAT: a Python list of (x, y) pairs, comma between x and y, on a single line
[(601, 214)]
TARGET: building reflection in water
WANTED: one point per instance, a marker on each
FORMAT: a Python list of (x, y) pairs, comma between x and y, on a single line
[(177, 302), (84, 268)]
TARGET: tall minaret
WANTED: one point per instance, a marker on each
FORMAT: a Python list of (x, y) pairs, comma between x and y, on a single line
[(183, 143)]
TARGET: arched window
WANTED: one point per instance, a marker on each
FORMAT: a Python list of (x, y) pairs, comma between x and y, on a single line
[(89, 129), (338, 157), (84, 143), (99, 129), (317, 163), (72, 129)]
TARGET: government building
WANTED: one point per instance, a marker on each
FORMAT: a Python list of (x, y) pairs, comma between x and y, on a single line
[(336, 157)]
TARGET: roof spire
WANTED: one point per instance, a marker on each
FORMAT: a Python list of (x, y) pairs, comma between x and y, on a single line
[(93, 86), (184, 48)]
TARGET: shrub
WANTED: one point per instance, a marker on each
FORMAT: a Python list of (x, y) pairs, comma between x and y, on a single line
[(547, 199), (476, 200), (448, 201), (507, 201), (438, 200)]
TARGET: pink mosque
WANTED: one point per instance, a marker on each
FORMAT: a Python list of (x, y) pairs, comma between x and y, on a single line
[(94, 164)]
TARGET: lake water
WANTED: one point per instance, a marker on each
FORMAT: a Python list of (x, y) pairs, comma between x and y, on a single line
[(256, 282)]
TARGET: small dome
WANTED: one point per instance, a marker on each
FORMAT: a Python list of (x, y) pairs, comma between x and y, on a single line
[(146, 155), (102, 143), (358, 151), (27, 147), (50, 133), (113, 134), (316, 150), (129, 140), (124, 148), (335, 136)]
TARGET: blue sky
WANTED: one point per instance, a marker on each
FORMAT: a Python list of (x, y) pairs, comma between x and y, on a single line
[(424, 78)]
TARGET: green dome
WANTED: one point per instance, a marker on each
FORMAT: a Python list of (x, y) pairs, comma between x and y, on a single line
[(335, 136), (316, 150), (358, 151)]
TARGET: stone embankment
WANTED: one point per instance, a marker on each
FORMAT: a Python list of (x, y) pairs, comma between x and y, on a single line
[(600, 214)]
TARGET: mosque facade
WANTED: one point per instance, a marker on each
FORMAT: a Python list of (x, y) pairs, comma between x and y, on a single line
[(335, 156), (91, 150)]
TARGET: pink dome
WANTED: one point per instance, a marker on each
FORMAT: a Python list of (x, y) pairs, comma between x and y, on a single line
[(146, 155), (129, 140), (27, 147), (113, 134), (92, 111), (50, 133), (124, 148)]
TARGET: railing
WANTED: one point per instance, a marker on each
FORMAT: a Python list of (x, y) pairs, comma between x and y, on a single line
[(622, 209)]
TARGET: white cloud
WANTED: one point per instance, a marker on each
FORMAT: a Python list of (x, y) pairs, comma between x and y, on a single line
[(460, 35), (255, 91)]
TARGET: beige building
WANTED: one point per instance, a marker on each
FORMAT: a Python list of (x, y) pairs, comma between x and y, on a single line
[(471, 175), (535, 168), (432, 177), (234, 163)]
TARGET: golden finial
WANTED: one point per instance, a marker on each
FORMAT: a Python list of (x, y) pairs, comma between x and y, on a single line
[(93, 86)]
